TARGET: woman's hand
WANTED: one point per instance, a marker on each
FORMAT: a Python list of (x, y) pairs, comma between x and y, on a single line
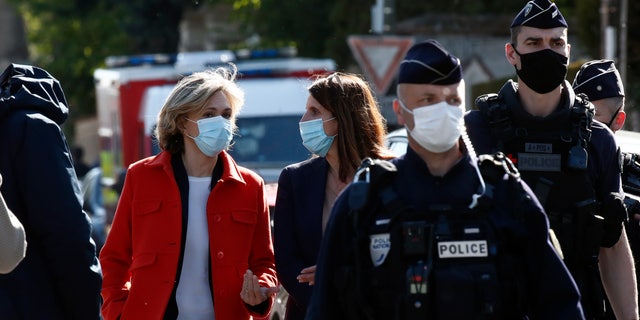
[(307, 275), (252, 294)]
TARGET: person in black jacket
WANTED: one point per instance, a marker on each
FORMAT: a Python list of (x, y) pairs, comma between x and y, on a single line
[(426, 235), (600, 81), (60, 277), (570, 161)]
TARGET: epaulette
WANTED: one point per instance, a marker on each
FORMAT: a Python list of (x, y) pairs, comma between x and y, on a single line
[(493, 167), (583, 112), (497, 114), (371, 173)]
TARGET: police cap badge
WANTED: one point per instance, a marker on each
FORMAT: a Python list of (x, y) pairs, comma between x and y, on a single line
[(541, 14), (598, 79), (429, 63)]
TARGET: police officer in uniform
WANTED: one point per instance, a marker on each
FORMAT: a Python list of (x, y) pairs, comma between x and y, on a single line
[(600, 81), (568, 160), (432, 234)]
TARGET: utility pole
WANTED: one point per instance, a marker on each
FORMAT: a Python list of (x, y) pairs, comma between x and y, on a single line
[(604, 30), (624, 14), (383, 17)]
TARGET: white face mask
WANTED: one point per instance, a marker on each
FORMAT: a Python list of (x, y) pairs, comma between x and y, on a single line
[(215, 135), (436, 127)]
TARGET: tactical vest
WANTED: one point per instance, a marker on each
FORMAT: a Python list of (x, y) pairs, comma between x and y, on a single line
[(446, 263), (551, 157)]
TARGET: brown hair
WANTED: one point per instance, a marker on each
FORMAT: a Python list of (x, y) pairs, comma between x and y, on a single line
[(361, 127), (191, 94)]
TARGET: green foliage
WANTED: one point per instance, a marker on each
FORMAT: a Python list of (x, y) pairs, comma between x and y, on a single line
[(588, 27), (346, 19), (71, 38), (302, 23), (632, 89)]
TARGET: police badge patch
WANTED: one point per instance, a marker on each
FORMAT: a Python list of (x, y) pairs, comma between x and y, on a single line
[(527, 9), (379, 248)]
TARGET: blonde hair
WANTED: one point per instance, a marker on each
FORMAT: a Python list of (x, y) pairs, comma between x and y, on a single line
[(191, 94)]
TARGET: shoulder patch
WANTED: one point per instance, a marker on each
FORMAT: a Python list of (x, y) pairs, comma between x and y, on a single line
[(379, 247)]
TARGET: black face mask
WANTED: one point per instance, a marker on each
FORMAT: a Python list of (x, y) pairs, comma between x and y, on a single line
[(542, 70)]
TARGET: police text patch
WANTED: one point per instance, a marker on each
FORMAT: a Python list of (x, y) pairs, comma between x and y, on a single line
[(539, 162), (463, 249)]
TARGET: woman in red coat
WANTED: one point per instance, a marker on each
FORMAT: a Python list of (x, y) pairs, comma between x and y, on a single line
[(190, 237)]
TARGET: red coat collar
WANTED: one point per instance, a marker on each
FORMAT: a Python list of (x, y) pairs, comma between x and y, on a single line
[(230, 170)]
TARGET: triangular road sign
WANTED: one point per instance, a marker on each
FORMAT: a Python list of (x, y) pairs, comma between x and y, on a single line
[(380, 57)]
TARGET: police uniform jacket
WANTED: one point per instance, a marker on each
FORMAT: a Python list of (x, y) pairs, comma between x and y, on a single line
[(60, 276), (603, 165), (297, 228), (551, 292), (142, 256)]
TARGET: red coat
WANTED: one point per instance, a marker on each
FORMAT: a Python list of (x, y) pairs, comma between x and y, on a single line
[(140, 257)]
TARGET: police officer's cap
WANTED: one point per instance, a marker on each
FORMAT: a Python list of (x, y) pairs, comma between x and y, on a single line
[(541, 14), (599, 79), (429, 63)]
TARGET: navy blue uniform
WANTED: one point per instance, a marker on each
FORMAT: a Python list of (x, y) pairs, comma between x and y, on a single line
[(561, 193), (550, 292), (603, 157)]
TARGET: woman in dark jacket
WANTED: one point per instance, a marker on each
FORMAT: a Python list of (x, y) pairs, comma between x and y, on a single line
[(341, 126)]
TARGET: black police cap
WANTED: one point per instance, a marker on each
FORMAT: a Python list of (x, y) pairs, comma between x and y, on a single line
[(429, 63), (541, 14), (598, 79)]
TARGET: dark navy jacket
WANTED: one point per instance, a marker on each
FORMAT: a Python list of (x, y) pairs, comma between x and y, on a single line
[(603, 173), (60, 277), (552, 294), (603, 164), (297, 229)]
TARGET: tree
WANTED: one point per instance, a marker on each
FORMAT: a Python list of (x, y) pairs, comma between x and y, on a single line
[(303, 24), (632, 89), (71, 38)]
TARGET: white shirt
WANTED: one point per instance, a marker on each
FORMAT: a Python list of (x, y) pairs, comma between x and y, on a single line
[(193, 294)]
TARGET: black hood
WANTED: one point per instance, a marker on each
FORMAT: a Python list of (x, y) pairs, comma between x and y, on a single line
[(24, 87)]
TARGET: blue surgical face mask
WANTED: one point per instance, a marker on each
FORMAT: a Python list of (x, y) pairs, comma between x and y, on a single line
[(215, 135), (314, 138)]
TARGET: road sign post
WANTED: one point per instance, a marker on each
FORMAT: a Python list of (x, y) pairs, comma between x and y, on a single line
[(380, 57)]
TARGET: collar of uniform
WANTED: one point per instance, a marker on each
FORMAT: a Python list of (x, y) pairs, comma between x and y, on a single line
[(557, 119), (413, 159)]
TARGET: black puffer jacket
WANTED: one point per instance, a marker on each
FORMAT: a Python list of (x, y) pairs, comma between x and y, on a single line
[(60, 277)]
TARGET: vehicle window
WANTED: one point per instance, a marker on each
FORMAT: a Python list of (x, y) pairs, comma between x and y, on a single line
[(397, 142), (274, 140)]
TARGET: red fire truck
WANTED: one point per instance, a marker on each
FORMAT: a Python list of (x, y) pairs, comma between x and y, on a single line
[(132, 89)]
